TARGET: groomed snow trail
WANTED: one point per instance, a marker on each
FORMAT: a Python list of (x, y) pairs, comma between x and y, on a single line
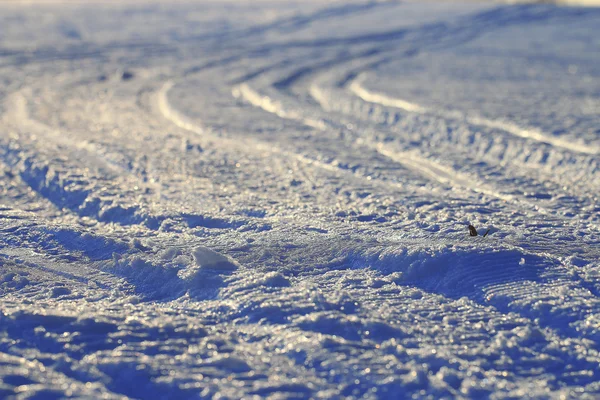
[(271, 199)]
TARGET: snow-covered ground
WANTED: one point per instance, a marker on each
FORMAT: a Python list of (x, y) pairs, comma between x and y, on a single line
[(271, 199)]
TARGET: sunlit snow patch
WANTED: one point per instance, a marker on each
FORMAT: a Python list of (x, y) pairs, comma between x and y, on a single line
[(206, 258)]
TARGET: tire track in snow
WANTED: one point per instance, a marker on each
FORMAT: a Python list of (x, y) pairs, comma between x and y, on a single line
[(183, 122), (426, 37), (410, 160), (366, 95), (271, 106)]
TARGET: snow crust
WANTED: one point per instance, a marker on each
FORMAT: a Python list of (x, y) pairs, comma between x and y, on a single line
[(271, 200)]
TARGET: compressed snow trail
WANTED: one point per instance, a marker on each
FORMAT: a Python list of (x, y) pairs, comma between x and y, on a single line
[(272, 200), (534, 134), (410, 160)]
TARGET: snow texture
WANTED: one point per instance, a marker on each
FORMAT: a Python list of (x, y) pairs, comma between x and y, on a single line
[(272, 199)]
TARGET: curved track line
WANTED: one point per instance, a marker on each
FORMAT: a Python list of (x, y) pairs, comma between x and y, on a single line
[(370, 97), (183, 122), (272, 107), (173, 115), (533, 134)]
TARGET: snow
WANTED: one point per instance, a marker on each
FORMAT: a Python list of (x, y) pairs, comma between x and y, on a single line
[(272, 199)]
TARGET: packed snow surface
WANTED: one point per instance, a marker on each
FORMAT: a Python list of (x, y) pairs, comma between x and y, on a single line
[(272, 199)]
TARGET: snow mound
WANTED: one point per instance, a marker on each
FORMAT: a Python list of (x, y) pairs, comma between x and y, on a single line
[(208, 259)]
